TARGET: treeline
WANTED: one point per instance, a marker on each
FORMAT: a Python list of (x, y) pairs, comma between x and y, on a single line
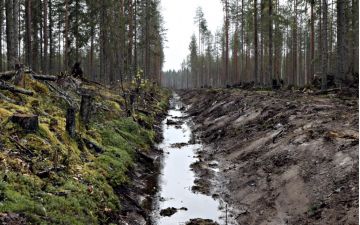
[(112, 39), (272, 43)]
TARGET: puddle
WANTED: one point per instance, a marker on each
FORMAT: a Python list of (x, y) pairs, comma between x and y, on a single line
[(176, 178)]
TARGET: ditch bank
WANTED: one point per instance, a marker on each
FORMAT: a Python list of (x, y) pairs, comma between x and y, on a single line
[(100, 171), (283, 157)]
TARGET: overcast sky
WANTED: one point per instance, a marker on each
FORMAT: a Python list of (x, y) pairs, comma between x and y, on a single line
[(179, 22)]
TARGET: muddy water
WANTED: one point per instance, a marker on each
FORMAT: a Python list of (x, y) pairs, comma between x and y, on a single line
[(177, 178)]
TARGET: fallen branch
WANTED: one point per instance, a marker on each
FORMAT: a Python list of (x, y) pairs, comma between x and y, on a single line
[(13, 89), (62, 95), (44, 77), (20, 146), (4, 97), (323, 92), (7, 75)]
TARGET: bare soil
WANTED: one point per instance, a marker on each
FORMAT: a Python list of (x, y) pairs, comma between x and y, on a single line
[(284, 157)]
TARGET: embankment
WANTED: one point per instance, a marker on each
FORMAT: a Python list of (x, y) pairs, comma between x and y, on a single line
[(284, 157)]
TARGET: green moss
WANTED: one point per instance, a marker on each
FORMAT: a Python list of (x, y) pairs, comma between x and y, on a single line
[(82, 190)]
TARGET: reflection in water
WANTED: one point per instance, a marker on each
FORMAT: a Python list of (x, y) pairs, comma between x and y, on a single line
[(177, 179)]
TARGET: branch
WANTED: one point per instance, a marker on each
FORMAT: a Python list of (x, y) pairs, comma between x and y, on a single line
[(7, 75), (45, 77), (4, 97), (13, 89)]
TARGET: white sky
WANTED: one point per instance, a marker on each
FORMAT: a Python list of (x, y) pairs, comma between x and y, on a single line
[(179, 22)]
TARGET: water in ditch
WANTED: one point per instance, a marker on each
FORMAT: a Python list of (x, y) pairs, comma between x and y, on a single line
[(177, 178)]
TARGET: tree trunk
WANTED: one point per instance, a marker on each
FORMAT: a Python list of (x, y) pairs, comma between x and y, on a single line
[(235, 56), (256, 78), (28, 45), (35, 22), (147, 42), (66, 37), (312, 41), (10, 34), (51, 39), (91, 56), (270, 42), (76, 31), (226, 42), (1, 33), (341, 40), (262, 39), (295, 45), (242, 40), (324, 46), (355, 37), (46, 38), (16, 7)]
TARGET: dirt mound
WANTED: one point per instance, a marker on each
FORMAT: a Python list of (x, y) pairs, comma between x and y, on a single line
[(284, 157)]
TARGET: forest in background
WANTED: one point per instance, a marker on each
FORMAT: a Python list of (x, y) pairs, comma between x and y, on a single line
[(274, 43), (112, 39)]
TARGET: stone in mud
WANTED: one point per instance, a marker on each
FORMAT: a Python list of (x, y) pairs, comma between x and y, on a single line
[(171, 122), (12, 219), (168, 212), (201, 222), (201, 186), (179, 145)]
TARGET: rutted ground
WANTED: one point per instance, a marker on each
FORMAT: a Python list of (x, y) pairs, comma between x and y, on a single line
[(284, 157), (97, 177)]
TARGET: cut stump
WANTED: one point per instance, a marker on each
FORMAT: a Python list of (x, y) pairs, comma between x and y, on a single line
[(71, 121), (28, 122)]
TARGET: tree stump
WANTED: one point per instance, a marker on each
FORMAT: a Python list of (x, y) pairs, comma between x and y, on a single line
[(86, 108), (28, 122), (71, 121)]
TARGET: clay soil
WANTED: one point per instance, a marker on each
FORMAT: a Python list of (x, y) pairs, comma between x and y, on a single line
[(283, 157)]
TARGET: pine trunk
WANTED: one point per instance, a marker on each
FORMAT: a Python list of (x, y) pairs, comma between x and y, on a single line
[(312, 41), (46, 38), (324, 46), (256, 78), (270, 41), (341, 40)]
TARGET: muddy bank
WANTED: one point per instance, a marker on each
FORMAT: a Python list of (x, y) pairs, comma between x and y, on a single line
[(138, 196), (284, 158)]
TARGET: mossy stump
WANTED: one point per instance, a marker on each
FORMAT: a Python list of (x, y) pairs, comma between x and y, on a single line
[(28, 122), (86, 108), (71, 121)]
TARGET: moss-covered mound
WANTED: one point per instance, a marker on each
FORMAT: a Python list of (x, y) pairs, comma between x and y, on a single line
[(47, 177)]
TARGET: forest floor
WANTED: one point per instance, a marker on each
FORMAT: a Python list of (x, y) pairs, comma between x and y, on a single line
[(285, 157)]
